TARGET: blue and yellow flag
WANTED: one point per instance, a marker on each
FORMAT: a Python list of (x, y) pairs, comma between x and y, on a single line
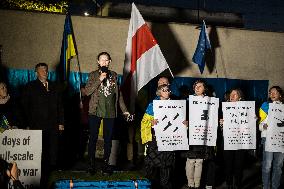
[(263, 111), (201, 49), (68, 49), (146, 126), (4, 124)]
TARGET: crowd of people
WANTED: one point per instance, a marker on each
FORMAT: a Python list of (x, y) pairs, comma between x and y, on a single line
[(102, 100), (233, 160)]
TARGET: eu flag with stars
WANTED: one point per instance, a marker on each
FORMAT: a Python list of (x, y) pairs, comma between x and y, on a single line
[(68, 50), (202, 46)]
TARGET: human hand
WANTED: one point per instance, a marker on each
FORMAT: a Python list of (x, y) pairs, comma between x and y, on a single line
[(154, 122), (221, 122), (265, 126), (128, 116), (185, 122), (61, 127), (14, 172), (103, 76)]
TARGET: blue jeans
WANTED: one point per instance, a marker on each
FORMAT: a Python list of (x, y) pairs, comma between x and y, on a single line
[(94, 124), (272, 162)]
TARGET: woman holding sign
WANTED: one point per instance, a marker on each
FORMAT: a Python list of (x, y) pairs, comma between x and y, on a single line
[(156, 162), (270, 159), (197, 153), (233, 159)]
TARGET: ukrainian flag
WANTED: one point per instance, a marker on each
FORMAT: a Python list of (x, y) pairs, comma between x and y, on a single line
[(263, 111), (146, 126), (68, 49)]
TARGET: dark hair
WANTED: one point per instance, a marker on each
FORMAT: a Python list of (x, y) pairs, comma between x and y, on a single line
[(227, 96), (204, 85), (41, 64), (160, 77), (279, 90), (104, 53), (239, 91), (164, 77)]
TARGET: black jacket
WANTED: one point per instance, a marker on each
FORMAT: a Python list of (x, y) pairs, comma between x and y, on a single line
[(43, 109)]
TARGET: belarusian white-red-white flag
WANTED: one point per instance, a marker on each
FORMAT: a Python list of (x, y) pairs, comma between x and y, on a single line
[(143, 58)]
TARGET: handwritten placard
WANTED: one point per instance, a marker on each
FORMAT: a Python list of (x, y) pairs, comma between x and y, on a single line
[(275, 130), (239, 127), (23, 147), (171, 133), (203, 120)]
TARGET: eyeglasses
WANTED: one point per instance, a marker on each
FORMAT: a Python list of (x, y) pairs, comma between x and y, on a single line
[(166, 90)]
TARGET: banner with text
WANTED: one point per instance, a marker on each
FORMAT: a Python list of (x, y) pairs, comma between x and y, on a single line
[(239, 127), (23, 147), (275, 130), (203, 120), (171, 133)]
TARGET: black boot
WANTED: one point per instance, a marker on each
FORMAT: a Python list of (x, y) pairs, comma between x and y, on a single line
[(92, 167), (107, 169)]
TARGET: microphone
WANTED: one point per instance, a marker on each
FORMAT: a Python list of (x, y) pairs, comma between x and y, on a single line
[(104, 69)]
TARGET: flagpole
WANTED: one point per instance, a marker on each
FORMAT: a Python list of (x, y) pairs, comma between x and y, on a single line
[(80, 79), (78, 62), (171, 72), (132, 83)]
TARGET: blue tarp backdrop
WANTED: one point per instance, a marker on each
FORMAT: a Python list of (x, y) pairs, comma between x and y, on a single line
[(253, 89)]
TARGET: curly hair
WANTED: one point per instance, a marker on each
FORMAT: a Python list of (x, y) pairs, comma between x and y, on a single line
[(206, 89), (279, 90), (240, 93)]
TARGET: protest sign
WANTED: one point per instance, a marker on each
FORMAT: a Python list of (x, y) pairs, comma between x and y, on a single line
[(239, 127), (203, 120), (23, 147), (171, 133), (275, 130)]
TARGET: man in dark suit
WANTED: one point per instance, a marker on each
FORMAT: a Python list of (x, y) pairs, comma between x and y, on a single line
[(44, 111)]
